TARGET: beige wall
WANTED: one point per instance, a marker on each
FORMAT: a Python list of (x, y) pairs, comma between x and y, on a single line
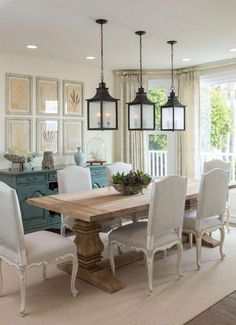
[(43, 67)]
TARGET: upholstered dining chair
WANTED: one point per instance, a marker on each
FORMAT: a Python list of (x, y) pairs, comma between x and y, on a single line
[(217, 163), (35, 249), (163, 229), (210, 209), (72, 179)]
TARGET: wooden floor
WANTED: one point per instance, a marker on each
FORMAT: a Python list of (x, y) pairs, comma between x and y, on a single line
[(222, 313)]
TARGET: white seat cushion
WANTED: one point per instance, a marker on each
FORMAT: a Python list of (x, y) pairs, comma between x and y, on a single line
[(135, 234), (47, 246), (190, 221)]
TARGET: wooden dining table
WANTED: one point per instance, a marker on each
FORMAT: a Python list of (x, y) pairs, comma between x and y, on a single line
[(91, 208)]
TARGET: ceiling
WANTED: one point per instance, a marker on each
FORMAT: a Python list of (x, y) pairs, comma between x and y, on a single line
[(65, 30)]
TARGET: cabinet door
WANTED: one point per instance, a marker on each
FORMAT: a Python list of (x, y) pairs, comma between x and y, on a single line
[(32, 216)]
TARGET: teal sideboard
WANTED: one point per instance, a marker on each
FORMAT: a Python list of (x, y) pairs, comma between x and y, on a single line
[(38, 183)]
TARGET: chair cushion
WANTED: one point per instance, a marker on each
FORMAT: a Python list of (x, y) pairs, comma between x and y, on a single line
[(47, 246), (135, 234), (190, 221)]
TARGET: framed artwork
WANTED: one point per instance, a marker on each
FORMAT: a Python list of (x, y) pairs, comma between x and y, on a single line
[(47, 137), (72, 98), (18, 94), (72, 136), (47, 96), (18, 134)]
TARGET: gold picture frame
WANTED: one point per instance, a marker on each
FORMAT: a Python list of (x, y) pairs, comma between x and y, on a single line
[(18, 94), (47, 96), (73, 98), (73, 135), (47, 135), (18, 134)]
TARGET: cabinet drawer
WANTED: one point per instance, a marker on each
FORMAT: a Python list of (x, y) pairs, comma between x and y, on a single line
[(52, 177), (28, 179)]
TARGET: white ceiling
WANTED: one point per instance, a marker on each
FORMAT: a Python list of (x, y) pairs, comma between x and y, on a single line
[(65, 30)]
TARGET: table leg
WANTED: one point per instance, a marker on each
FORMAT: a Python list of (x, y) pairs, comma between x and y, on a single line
[(90, 247)]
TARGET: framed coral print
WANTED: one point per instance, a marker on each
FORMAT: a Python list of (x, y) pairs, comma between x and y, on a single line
[(73, 98), (18, 135), (72, 136), (47, 137), (18, 94), (47, 96)]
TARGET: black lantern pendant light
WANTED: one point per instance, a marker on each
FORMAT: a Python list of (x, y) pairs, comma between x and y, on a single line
[(102, 110), (173, 112), (141, 111)]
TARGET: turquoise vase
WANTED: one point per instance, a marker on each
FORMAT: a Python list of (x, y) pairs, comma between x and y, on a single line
[(79, 157)]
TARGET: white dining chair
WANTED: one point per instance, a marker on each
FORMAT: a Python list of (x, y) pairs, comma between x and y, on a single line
[(77, 179), (35, 249), (163, 229), (72, 179), (217, 163), (210, 209)]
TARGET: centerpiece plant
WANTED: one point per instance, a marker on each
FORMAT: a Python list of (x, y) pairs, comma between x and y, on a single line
[(132, 183)]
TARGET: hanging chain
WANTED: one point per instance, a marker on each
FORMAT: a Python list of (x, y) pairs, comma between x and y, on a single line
[(141, 63), (172, 68), (102, 67)]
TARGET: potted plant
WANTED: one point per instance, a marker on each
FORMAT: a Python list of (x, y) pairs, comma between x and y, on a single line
[(131, 183)]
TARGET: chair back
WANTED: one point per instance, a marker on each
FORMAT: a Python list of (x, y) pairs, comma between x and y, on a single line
[(74, 179), (120, 167), (213, 193), (167, 205), (216, 163), (11, 227)]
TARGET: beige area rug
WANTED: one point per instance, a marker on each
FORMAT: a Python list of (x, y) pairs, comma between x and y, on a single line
[(173, 302)]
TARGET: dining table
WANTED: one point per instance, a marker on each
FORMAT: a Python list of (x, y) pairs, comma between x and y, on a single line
[(90, 209)]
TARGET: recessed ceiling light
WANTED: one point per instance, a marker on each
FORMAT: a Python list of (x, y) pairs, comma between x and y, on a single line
[(233, 49), (90, 57), (186, 59), (32, 47)]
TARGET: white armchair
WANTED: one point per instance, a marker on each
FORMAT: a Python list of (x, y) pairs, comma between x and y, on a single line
[(217, 163), (163, 229), (35, 249), (210, 209)]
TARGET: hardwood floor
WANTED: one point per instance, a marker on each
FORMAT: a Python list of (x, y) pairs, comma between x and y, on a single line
[(222, 313)]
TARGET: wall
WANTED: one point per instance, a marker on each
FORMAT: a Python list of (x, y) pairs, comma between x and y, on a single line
[(35, 66)]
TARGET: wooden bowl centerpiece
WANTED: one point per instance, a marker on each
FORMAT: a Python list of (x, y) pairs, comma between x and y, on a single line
[(131, 183)]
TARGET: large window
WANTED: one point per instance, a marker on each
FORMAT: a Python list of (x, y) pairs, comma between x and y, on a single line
[(218, 121)]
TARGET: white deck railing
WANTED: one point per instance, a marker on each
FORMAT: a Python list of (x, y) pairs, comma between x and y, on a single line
[(157, 163)]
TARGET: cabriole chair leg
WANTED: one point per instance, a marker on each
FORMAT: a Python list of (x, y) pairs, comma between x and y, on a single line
[(111, 257), (149, 261), (22, 274), (74, 291), (179, 257), (198, 250), (222, 238), (190, 239)]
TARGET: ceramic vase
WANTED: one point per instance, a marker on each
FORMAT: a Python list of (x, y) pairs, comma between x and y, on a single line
[(79, 157)]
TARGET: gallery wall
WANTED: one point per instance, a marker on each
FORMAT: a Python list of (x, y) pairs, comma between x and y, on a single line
[(43, 67)]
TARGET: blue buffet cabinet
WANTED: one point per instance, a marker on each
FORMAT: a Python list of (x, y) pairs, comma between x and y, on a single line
[(36, 183)]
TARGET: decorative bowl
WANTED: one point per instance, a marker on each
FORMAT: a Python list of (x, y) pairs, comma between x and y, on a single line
[(129, 189)]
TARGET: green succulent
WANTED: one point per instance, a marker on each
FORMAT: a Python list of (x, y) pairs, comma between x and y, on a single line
[(132, 178)]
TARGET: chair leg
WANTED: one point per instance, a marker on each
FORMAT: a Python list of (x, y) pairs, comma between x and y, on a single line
[(190, 239), (63, 230), (111, 257), (227, 220), (1, 279), (222, 238), (44, 272), (22, 274), (198, 250), (179, 257), (149, 261), (74, 291)]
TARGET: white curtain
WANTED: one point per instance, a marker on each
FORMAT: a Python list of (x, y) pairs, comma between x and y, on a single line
[(188, 141), (128, 145)]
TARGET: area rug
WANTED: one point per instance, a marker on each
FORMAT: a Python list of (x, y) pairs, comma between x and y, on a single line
[(174, 302)]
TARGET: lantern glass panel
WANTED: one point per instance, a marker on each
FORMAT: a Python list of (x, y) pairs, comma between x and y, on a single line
[(95, 115), (148, 116), (167, 118), (179, 118), (109, 114), (135, 116)]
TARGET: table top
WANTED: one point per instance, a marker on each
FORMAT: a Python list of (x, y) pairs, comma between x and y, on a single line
[(103, 203)]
